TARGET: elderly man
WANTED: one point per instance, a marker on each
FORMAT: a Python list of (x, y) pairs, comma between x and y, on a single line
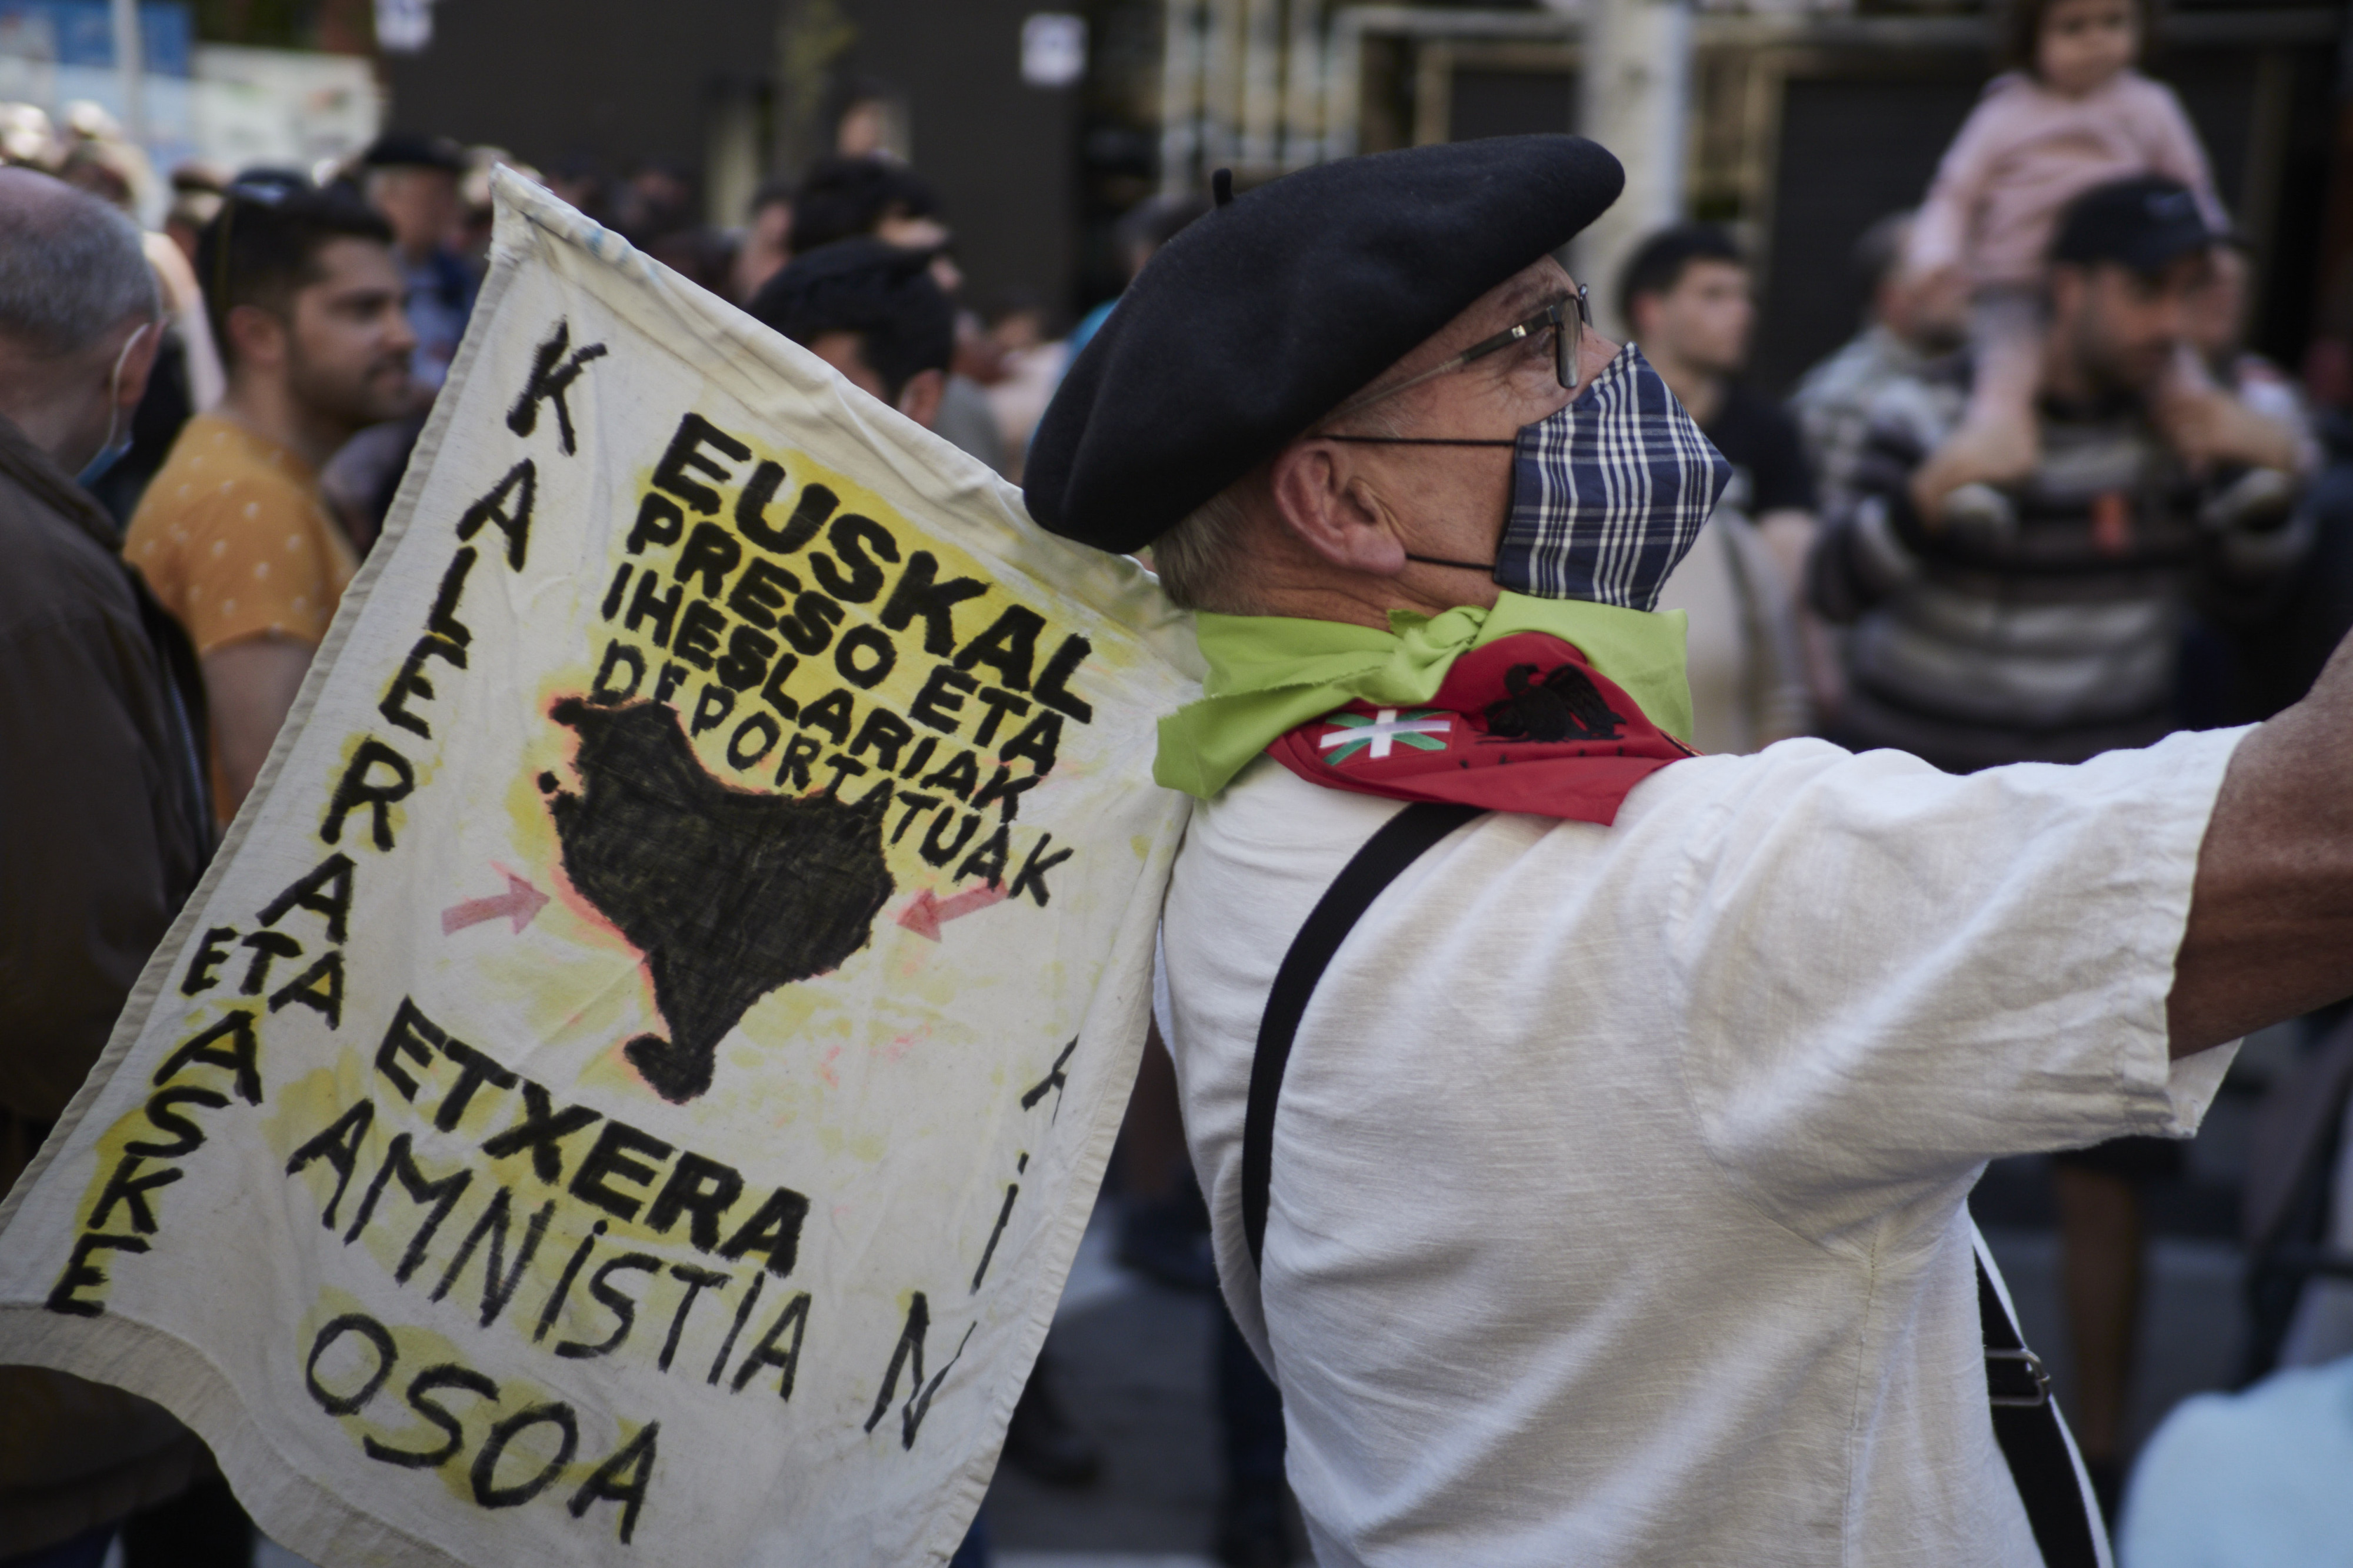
[(104, 827), (1595, 1192)]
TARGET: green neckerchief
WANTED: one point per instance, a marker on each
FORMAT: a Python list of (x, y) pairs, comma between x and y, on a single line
[(1270, 674)]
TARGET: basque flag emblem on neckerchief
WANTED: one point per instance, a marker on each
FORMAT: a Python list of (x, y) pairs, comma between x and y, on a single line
[(1522, 725)]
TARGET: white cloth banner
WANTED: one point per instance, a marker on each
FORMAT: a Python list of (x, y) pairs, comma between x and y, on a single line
[(632, 1087)]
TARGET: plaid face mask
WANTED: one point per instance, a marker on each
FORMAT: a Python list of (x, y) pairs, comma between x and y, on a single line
[(1608, 493)]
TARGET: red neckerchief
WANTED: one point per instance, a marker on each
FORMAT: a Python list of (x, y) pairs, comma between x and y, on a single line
[(1522, 725)]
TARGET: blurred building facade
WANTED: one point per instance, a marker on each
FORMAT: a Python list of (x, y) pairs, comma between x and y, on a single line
[(1807, 118), (209, 85), (735, 90)]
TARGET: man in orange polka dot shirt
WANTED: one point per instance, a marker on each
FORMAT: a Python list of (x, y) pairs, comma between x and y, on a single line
[(233, 534)]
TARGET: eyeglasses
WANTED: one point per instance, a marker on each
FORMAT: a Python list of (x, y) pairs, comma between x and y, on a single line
[(1566, 318)]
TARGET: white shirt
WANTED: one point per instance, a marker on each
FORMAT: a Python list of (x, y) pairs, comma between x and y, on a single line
[(1617, 1185)]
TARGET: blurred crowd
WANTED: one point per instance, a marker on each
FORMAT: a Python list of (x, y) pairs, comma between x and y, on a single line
[(2044, 503)]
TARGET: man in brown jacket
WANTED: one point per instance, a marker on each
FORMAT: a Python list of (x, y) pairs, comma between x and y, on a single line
[(104, 825)]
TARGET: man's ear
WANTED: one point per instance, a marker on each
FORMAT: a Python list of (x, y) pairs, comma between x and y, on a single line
[(919, 400), (137, 362), (1331, 510), (257, 336)]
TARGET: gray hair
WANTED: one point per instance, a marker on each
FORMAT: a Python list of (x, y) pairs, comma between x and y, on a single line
[(70, 267), (1198, 558), (1200, 561)]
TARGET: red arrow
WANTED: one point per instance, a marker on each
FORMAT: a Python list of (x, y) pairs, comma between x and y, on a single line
[(520, 902), (926, 913)]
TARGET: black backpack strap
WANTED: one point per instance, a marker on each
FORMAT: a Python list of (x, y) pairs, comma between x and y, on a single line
[(2026, 1422), (1399, 844)]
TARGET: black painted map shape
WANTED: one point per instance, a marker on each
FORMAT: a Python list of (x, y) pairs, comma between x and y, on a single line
[(728, 893)]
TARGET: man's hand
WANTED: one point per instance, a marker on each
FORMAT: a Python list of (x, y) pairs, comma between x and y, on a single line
[(2207, 426), (250, 686), (1997, 447), (2271, 915)]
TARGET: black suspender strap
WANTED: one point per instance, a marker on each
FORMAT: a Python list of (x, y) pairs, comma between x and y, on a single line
[(1399, 844), (2034, 1444), (2026, 1422)]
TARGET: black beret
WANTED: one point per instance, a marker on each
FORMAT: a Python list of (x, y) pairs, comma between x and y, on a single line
[(1265, 315)]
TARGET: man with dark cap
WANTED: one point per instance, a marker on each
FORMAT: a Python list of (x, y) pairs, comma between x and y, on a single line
[(2044, 622), (1595, 1192), (412, 180), (2040, 623)]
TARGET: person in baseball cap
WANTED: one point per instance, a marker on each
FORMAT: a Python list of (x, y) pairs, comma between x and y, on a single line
[(2144, 225), (1586, 1124), (2134, 253)]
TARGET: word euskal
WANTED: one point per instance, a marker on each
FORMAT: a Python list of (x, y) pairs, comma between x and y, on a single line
[(730, 893), (513, 1139)]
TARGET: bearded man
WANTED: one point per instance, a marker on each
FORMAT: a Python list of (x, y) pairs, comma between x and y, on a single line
[(233, 534)]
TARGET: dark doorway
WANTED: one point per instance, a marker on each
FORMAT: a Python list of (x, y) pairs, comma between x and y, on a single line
[(1853, 149), (1491, 102)]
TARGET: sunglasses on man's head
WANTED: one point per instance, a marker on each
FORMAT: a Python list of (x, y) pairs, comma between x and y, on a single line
[(265, 191)]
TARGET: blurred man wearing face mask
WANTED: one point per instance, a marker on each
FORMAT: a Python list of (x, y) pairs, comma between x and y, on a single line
[(104, 827)]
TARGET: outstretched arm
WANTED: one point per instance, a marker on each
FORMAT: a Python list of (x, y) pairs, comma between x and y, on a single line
[(2271, 914)]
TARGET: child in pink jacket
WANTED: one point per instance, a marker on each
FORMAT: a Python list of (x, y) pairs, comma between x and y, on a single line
[(2075, 115)]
